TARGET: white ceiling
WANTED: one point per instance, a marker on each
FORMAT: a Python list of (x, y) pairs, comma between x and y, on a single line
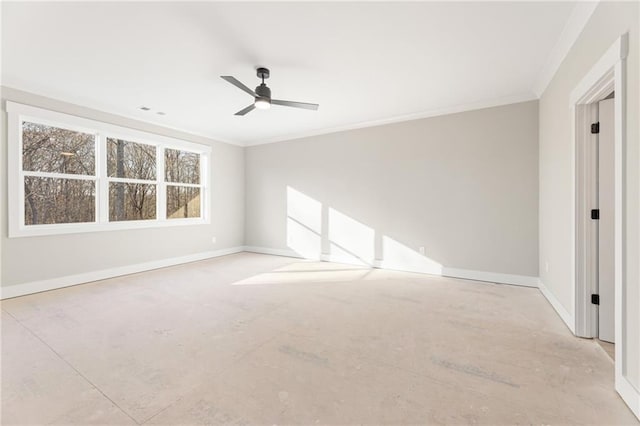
[(362, 62)]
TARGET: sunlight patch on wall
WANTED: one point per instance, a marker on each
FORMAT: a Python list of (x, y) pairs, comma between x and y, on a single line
[(304, 210), (304, 224), (346, 239), (302, 240), (398, 256), (350, 241)]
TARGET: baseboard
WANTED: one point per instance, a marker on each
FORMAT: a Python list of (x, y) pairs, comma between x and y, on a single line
[(71, 280), (566, 317), (630, 395), (493, 277), (467, 274)]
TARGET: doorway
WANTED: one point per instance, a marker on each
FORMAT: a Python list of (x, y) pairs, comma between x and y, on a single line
[(604, 216), (607, 75), (596, 217)]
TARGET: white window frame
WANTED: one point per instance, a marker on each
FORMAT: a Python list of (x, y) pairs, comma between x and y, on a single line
[(17, 113), (73, 176), (104, 210), (166, 184)]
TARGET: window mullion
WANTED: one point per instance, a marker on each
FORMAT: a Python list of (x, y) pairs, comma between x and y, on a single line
[(58, 175), (204, 184), (186, 185), (103, 182), (161, 189), (16, 131), (130, 180)]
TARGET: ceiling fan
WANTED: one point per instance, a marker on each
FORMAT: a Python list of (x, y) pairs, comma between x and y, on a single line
[(262, 95)]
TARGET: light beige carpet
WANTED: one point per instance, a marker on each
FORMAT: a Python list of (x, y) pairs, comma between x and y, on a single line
[(255, 339)]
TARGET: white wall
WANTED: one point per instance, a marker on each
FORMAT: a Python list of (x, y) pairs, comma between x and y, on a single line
[(464, 186), (30, 259), (608, 22)]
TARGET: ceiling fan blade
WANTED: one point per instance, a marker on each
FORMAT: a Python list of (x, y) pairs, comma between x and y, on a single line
[(239, 85), (302, 105), (246, 110)]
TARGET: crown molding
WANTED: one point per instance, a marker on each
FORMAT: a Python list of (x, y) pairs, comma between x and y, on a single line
[(579, 17)]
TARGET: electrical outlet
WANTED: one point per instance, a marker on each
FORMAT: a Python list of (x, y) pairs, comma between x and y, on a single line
[(214, 240), (546, 266), (421, 249)]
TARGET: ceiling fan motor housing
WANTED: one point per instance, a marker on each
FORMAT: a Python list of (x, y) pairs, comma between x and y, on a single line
[(263, 92)]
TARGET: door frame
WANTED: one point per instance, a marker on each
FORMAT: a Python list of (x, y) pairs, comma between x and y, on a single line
[(606, 75)]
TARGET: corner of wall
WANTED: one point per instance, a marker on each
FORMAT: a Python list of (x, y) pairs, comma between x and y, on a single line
[(564, 315)]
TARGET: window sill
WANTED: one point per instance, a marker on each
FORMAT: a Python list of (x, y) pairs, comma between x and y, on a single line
[(78, 228)]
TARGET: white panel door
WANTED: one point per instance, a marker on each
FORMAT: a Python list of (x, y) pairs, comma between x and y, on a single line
[(606, 329)]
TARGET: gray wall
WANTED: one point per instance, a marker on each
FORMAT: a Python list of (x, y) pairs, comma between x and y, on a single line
[(608, 22), (463, 186), (38, 258)]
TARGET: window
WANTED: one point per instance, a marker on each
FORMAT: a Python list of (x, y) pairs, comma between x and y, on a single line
[(182, 174), (69, 174), (131, 168), (58, 166)]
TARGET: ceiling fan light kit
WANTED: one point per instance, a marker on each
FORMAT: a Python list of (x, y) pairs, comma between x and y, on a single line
[(262, 95), (262, 103)]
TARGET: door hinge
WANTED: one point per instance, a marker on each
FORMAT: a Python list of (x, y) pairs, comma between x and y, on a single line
[(595, 128), (595, 214), (595, 299)]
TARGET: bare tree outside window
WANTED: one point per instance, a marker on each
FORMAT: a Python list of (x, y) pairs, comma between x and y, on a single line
[(50, 200), (128, 160), (47, 153), (181, 166), (55, 150), (131, 201), (182, 174), (183, 202)]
